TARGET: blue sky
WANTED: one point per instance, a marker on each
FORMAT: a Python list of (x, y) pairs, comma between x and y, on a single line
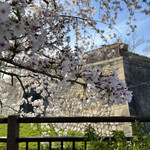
[(142, 31)]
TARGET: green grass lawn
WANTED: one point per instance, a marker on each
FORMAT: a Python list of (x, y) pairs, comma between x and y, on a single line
[(141, 141), (27, 131)]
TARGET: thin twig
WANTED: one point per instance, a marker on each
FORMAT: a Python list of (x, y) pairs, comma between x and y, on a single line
[(12, 75)]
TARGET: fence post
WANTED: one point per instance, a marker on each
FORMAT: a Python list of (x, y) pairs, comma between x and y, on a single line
[(12, 133)]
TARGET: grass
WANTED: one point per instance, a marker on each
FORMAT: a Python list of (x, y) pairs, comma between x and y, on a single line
[(27, 131)]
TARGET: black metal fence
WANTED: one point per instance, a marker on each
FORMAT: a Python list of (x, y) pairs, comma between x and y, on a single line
[(13, 122)]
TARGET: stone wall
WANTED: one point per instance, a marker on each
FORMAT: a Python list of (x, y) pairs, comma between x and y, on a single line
[(68, 96), (137, 76), (14, 95), (132, 69), (106, 52)]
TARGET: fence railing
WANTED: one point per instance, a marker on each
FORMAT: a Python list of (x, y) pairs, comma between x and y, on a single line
[(13, 122)]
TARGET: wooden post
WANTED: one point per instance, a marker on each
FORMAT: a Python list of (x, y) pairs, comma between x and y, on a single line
[(12, 133)]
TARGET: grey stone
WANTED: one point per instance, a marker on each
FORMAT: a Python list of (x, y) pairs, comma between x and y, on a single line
[(131, 68)]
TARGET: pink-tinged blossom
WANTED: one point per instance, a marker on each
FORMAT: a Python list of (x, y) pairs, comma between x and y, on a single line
[(41, 42), (18, 28), (3, 44), (128, 96), (2, 31), (4, 11)]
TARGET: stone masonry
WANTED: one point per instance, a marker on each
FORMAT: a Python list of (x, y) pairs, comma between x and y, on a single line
[(131, 68), (15, 94), (68, 94)]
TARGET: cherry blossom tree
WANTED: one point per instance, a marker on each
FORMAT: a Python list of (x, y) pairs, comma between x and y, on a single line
[(42, 42), (134, 42)]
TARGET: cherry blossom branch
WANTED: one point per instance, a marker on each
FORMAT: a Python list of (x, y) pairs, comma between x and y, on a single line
[(37, 71), (36, 38), (87, 20), (13, 108), (12, 74), (137, 85), (28, 68)]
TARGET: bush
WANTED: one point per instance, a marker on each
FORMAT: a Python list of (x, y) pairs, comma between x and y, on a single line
[(140, 140)]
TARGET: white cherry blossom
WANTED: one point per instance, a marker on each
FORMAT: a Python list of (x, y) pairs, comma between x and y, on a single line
[(4, 11), (3, 44), (18, 28), (41, 44)]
